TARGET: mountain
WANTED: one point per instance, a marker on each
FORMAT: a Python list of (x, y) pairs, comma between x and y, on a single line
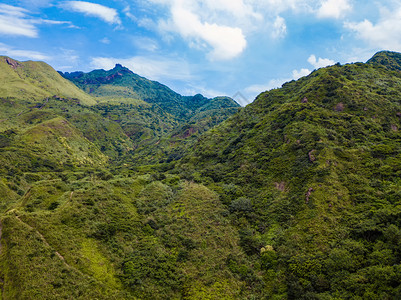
[(36, 81), (120, 82), (160, 122), (312, 170), (296, 196), (388, 59)]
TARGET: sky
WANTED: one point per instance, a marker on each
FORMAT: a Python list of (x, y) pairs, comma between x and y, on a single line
[(236, 48)]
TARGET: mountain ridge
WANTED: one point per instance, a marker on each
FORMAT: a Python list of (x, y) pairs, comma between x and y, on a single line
[(295, 196), (36, 80), (122, 82)]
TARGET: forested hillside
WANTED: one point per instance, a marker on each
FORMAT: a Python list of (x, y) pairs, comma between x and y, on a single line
[(312, 170), (115, 187)]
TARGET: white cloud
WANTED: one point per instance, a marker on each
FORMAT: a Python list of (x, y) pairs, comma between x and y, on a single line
[(210, 93), (279, 28), (321, 62), (316, 63), (279, 6), (256, 89), (225, 42), (259, 88), (35, 3), (14, 21), (155, 68), (22, 54), (296, 74), (107, 14), (385, 34), (145, 43), (334, 9), (221, 27), (105, 40)]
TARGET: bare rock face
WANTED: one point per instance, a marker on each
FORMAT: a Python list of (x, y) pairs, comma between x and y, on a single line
[(13, 63)]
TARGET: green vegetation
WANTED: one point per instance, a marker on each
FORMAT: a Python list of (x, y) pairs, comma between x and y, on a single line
[(122, 83), (147, 194), (35, 81), (312, 170)]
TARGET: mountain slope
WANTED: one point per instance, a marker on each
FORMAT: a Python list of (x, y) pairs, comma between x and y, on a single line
[(36, 80), (151, 114), (122, 83), (296, 196), (388, 59), (314, 168), (76, 221)]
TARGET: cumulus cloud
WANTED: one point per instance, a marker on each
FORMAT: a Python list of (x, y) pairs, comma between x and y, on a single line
[(226, 42), (317, 63), (296, 74), (22, 54), (334, 9), (155, 68), (385, 34), (320, 63), (221, 27), (107, 14), (15, 21)]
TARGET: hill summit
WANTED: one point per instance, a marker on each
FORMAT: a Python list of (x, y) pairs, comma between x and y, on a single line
[(120, 82), (388, 59)]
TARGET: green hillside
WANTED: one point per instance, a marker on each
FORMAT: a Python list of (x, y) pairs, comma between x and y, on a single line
[(296, 196), (36, 80), (388, 59), (312, 170), (123, 83), (161, 123)]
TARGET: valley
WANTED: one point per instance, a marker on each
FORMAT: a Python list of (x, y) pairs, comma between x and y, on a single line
[(113, 186)]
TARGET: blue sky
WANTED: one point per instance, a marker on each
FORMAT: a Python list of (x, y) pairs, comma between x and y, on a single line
[(213, 47)]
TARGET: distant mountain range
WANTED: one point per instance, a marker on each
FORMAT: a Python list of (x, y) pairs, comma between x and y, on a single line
[(120, 82), (116, 187)]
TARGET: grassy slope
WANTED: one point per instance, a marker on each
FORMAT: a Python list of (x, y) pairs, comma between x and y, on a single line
[(121, 82), (36, 80), (69, 229), (125, 238)]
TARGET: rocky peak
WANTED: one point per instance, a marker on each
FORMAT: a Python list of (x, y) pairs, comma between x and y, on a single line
[(13, 63)]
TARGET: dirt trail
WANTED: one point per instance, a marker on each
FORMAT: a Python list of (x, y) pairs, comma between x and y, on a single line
[(48, 245)]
